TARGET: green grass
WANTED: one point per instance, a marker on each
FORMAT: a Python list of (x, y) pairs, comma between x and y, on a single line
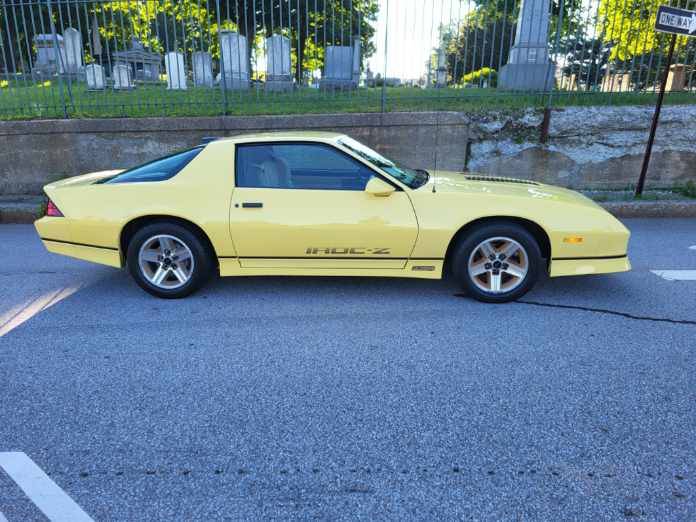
[(24, 100)]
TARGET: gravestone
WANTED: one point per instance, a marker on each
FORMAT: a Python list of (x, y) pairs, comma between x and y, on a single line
[(676, 79), (569, 83), (528, 67), (48, 61), (176, 72), (73, 50), (441, 80), (122, 77), (144, 64), (616, 82), (94, 74), (342, 66), (278, 64), (234, 66), (202, 69)]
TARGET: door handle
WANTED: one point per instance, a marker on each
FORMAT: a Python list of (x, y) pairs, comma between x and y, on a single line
[(252, 205)]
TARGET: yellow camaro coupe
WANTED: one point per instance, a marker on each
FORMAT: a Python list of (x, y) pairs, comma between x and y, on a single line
[(311, 203)]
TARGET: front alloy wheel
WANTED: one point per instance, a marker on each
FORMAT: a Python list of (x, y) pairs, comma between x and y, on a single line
[(498, 265), (497, 262)]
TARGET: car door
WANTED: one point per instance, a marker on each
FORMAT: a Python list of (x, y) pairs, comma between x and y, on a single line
[(304, 205)]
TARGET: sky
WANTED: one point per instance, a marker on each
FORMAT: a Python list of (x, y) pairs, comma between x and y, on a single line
[(412, 32)]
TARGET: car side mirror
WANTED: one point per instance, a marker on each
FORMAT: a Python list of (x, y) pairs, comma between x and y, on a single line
[(378, 187)]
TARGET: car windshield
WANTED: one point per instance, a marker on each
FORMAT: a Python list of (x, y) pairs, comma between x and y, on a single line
[(413, 178)]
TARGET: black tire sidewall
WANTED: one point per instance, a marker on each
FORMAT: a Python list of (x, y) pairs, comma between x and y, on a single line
[(477, 236), (201, 258)]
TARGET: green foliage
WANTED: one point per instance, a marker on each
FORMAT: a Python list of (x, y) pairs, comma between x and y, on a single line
[(629, 25), (478, 76), (689, 189)]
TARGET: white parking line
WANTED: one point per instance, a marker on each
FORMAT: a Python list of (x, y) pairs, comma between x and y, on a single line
[(22, 313), (2, 518), (41, 490), (692, 247), (676, 275)]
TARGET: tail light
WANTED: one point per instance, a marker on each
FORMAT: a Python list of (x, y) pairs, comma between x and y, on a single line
[(52, 210)]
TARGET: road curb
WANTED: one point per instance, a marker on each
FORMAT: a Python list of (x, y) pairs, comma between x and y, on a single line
[(21, 209), (27, 210)]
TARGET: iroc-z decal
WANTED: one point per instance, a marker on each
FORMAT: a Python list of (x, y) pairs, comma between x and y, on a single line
[(355, 251)]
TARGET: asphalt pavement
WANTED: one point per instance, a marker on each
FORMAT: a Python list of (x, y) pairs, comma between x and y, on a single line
[(345, 398)]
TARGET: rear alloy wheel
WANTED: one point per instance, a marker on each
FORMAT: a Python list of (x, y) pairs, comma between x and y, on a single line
[(497, 263), (168, 260)]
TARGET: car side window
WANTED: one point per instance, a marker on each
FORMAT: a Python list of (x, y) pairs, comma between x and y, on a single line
[(157, 170), (306, 166)]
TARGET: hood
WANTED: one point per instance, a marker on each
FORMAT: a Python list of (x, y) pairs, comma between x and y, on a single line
[(84, 179), (471, 183)]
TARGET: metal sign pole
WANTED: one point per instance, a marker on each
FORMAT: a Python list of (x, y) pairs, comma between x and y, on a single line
[(656, 119)]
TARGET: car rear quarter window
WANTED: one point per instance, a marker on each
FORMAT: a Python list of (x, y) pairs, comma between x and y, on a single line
[(158, 170), (307, 166)]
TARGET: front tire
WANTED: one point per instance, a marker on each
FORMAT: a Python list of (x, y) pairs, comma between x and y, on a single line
[(168, 260), (497, 262)]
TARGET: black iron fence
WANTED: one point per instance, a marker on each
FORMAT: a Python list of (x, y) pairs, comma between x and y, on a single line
[(99, 58)]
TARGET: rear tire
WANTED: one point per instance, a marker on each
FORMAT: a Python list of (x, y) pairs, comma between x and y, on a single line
[(168, 260), (497, 262)]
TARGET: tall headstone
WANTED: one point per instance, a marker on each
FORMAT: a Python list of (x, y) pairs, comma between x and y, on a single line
[(94, 74), (122, 77), (278, 64), (369, 77), (441, 80), (72, 40), (342, 66), (234, 66), (176, 72), (202, 69), (529, 67), (357, 50)]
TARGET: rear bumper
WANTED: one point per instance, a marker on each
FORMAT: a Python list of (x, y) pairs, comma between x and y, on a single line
[(590, 265), (56, 237), (95, 254)]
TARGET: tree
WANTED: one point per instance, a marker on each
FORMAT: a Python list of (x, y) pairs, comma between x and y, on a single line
[(586, 58), (486, 35)]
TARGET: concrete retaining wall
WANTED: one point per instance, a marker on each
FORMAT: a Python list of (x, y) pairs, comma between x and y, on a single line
[(587, 147)]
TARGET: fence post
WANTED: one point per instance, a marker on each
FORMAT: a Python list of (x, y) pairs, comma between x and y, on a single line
[(546, 122), (59, 58), (223, 79), (386, 54)]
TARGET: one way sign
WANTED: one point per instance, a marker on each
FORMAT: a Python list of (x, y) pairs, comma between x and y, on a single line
[(676, 21)]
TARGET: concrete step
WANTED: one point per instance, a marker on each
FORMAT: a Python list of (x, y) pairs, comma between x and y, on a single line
[(21, 209)]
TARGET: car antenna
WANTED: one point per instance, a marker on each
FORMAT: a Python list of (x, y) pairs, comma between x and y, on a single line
[(437, 146)]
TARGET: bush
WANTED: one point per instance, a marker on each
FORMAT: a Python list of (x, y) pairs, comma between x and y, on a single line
[(480, 75), (689, 189)]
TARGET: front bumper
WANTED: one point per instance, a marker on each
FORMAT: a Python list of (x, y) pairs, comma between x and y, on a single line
[(590, 265)]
